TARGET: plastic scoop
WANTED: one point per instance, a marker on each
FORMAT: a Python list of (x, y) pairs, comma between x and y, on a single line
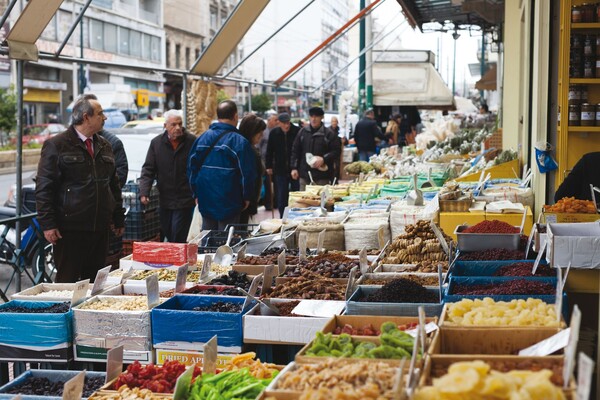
[(224, 254), (415, 196), (430, 182)]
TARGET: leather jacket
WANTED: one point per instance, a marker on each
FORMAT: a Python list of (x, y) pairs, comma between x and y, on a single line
[(74, 191)]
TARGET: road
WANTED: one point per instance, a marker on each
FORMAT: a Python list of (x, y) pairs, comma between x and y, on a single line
[(8, 179)]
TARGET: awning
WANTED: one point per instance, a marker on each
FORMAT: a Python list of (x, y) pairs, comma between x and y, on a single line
[(489, 80), (410, 84)]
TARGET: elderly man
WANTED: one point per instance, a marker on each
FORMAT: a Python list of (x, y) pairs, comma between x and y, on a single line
[(78, 196), (166, 162), (222, 170), (321, 145), (279, 152)]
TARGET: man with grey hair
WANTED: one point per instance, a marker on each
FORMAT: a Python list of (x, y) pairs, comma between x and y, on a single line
[(166, 162), (78, 196)]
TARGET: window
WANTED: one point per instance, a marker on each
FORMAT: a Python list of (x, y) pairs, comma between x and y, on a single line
[(145, 47), (110, 38), (213, 18), (168, 45), (187, 58), (123, 40), (223, 17), (96, 34), (50, 31), (155, 48), (177, 56), (135, 43), (197, 54)]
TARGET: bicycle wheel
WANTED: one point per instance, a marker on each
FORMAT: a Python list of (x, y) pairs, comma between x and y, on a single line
[(45, 262)]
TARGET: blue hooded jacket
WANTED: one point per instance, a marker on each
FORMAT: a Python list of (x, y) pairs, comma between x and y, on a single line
[(227, 176)]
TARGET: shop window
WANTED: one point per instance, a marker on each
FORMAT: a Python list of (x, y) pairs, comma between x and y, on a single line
[(110, 38), (135, 43), (96, 34), (213, 18), (155, 49), (168, 52), (145, 46), (123, 40), (187, 58), (177, 56)]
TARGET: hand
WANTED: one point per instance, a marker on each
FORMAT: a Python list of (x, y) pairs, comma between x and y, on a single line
[(294, 174), (52, 235), (145, 201), (318, 161), (246, 204), (118, 231), (269, 171)]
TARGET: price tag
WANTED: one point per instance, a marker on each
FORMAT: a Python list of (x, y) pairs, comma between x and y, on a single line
[(397, 391), (152, 291), (206, 267), (126, 275), (351, 280), (286, 213), (363, 262), (302, 246), (423, 335), (530, 240), (571, 349), (73, 389), (114, 363), (413, 361), (429, 327), (441, 280), (320, 241), (269, 274), (381, 237), (549, 345), (182, 386), (252, 291), (281, 262), (323, 199), (80, 292), (319, 308), (559, 293), (242, 251), (100, 280), (539, 258), (270, 308), (181, 279), (585, 371), (209, 362), (440, 237)]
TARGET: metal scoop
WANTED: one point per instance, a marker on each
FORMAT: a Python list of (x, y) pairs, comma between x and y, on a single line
[(224, 254), (430, 182), (415, 196)]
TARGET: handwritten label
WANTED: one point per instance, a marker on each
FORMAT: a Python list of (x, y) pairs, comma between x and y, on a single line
[(206, 267), (152, 291), (351, 280), (209, 365), (538, 259), (181, 279), (252, 291), (302, 246), (422, 337), (100, 280), (269, 274), (73, 389), (242, 251), (80, 292), (549, 345), (114, 363), (440, 237), (381, 236), (363, 262), (281, 262)]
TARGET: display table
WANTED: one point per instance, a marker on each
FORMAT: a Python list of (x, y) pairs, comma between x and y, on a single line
[(450, 220)]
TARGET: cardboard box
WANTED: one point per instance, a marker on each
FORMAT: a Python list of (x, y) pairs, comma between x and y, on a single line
[(165, 253), (99, 354), (52, 375), (39, 292), (189, 357), (360, 321), (539, 239), (553, 218), (274, 329), (483, 328), (127, 263), (576, 244)]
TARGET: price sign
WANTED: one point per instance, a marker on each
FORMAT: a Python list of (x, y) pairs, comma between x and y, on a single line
[(100, 280), (152, 291), (281, 262), (182, 386), (80, 292), (114, 363), (181, 279), (205, 267), (209, 363), (73, 389)]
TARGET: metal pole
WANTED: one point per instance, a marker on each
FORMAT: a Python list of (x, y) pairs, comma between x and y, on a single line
[(369, 61), (267, 39), (11, 5), (249, 97), (276, 100), (184, 90), (362, 61), (19, 161), (82, 82), (482, 66), (72, 29), (454, 71)]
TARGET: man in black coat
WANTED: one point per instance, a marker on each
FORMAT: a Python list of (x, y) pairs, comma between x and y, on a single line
[(166, 161), (577, 183), (364, 135), (277, 161)]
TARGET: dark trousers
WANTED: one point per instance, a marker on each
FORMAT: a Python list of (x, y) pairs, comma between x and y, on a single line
[(284, 184), (214, 225), (79, 255), (175, 224), (267, 198)]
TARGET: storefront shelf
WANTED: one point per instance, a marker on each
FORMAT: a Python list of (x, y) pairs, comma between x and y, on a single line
[(584, 81), (584, 129), (586, 25)]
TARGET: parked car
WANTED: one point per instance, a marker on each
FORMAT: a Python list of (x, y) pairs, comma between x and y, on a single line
[(114, 119), (158, 122), (39, 133)]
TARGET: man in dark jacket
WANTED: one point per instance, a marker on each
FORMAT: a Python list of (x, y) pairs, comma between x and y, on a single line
[(577, 183), (364, 135), (78, 196), (166, 162), (323, 147), (277, 162), (222, 170)]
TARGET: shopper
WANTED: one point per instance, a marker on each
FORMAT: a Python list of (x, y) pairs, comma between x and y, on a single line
[(166, 162), (269, 196), (222, 170), (392, 131), (278, 160), (322, 147), (365, 133), (252, 128), (78, 196), (577, 183)]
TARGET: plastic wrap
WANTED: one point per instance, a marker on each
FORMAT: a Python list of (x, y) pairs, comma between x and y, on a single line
[(49, 292), (34, 330), (362, 231), (402, 215), (175, 324), (165, 253)]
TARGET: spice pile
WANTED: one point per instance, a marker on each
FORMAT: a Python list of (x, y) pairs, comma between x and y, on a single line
[(492, 255), (417, 244), (285, 309), (309, 287), (517, 287), (524, 269), (402, 291), (493, 226), (420, 279)]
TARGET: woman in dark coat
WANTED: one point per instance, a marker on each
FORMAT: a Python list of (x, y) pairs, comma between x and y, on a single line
[(252, 128)]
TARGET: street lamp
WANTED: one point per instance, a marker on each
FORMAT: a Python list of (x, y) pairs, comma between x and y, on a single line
[(455, 36)]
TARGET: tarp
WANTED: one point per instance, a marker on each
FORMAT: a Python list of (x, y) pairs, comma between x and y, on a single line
[(410, 84), (489, 80)]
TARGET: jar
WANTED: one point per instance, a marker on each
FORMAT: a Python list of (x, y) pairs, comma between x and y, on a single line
[(588, 114), (597, 114), (588, 13), (576, 14), (589, 45), (583, 94), (589, 67), (576, 42), (598, 67), (574, 94), (574, 115), (575, 71)]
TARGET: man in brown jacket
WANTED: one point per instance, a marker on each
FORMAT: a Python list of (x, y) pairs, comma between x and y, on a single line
[(78, 195)]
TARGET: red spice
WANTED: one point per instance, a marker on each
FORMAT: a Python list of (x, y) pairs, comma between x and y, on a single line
[(493, 226), (524, 269), (515, 287), (493, 254)]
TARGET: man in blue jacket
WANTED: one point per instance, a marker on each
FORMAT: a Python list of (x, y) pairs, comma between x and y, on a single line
[(221, 170)]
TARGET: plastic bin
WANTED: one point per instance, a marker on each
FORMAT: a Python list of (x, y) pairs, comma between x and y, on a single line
[(141, 225)]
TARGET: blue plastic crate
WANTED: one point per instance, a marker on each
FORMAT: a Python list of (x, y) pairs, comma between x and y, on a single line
[(131, 193), (52, 375), (476, 280), (142, 225), (484, 268)]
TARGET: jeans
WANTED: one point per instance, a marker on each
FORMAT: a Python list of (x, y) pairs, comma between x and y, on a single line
[(175, 224), (365, 155), (284, 184), (214, 225)]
